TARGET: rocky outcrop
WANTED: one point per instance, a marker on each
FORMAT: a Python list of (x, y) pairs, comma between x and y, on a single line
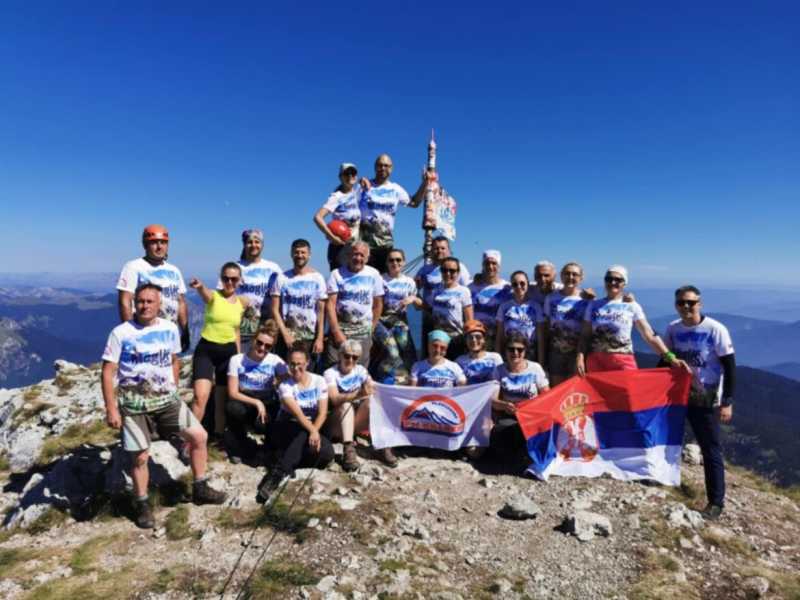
[(432, 528)]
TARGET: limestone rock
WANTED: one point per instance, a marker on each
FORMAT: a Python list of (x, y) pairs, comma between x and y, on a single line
[(25, 449), (681, 516), (519, 507), (585, 525), (691, 454)]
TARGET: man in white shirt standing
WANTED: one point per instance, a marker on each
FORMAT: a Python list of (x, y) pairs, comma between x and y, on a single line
[(705, 344), (154, 268), (379, 203)]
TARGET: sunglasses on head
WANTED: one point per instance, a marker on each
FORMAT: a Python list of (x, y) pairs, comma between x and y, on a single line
[(515, 349), (614, 280), (689, 303), (226, 279)]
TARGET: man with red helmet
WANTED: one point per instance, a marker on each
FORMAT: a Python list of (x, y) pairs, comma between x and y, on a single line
[(154, 268)]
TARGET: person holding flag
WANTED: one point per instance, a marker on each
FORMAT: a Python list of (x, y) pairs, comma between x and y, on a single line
[(478, 364), (705, 344)]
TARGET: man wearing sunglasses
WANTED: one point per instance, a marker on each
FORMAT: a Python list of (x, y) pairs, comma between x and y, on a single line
[(253, 379), (705, 344)]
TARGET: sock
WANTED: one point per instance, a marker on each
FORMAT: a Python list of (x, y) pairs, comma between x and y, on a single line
[(141, 498), (200, 480)]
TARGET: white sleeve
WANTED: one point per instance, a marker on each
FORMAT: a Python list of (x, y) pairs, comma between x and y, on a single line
[(466, 298), (128, 278), (181, 283), (463, 274), (331, 203), (723, 344), (638, 313), (280, 367), (330, 376), (286, 391), (323, 291), (233, 365), (113, 349), (323, 389), (176, 339), (377, 285), (541, 377), (460, 377), (402, 195), (333, 285)]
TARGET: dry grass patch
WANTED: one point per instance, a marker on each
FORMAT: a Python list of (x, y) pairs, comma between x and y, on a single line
[(659, 580), (108, 585), (96, 433), (177, 525), (50, 518), (782, 584), (275, 578), (12, 560), (64, 383), (728, 543)]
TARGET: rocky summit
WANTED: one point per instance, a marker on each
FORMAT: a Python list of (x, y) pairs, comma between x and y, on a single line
[(435, 527)]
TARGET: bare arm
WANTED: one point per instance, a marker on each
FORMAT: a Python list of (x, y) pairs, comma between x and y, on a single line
[(319, 221), (113, 418), (337, 398), (469, 313), (584, 344), (205, 293), (125, 305), (287, 336), (333, 320), (176, 369), (658, 346), (294, 409), (320, 333)]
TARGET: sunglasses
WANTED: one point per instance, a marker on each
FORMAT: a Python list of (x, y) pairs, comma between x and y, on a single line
[(516, 349), (260, 344), (475, 335), (689, 303), (229, 279), (571, 274), (519, 284), (395, 260), (449, 271), (350, 356), (614, 280)]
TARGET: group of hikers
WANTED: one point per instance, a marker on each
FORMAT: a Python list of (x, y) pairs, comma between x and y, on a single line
[(292, 355)]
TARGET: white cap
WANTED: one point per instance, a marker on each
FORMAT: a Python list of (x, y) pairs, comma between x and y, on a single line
[(344, 166), (493, 255), (618, 269)]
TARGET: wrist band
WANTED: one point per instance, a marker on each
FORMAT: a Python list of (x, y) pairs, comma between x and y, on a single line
[(669, 357)]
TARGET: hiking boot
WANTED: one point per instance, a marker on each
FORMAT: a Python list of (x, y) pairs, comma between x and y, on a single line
[(202, 493), (269, 485), (349, 458), (144, 514), (387, 457), (711, 512)]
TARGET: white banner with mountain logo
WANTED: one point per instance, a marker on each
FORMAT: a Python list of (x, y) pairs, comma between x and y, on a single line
[(447, 419)]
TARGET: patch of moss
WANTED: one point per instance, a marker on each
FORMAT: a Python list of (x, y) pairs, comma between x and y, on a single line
[(51, 518), (658, 580), (5, 465), (96, 433), (177, 525), (782, 584), (84, 556), (732, 544), (63, 383), (278, 576), (109, 585)]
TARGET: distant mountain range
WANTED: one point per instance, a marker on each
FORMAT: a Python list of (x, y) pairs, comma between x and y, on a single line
[(768, 345)]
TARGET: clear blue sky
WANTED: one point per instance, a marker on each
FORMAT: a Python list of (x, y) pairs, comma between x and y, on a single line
[(665, 137)]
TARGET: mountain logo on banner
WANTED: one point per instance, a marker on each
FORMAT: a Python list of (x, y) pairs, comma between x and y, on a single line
[(577, 437), (434, 413)]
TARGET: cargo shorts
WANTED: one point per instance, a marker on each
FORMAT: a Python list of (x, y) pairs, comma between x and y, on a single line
[(139, 428)]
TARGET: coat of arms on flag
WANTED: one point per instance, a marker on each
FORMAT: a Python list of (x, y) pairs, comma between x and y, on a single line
[(447, 419), (628, 424)]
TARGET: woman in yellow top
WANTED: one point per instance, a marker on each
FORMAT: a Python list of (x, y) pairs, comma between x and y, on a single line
[(219, 340)]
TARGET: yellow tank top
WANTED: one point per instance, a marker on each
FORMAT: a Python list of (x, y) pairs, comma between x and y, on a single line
[(222, 319)]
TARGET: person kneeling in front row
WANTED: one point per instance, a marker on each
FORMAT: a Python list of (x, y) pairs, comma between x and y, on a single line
[(142, 356), (296, 430)]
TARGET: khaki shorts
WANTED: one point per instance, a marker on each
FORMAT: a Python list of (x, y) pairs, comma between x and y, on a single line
[(138, 428)]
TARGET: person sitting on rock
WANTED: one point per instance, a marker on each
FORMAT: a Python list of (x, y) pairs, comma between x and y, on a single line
[(141, 356), (252, 383), (349, 387), (296, 430)]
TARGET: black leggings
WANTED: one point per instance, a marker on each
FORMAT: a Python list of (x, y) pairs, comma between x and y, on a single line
[(210, 361), (292, 439), (506, 439), (242, 415)]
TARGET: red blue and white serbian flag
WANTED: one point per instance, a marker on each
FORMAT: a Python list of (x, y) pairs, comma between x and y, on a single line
[(628, 424), (443, 418)]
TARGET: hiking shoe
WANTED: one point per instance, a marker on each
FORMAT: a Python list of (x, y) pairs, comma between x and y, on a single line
[(269, 485), (349, 458), (388, 458), (711, 512), (202, 493), (144, 515)]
